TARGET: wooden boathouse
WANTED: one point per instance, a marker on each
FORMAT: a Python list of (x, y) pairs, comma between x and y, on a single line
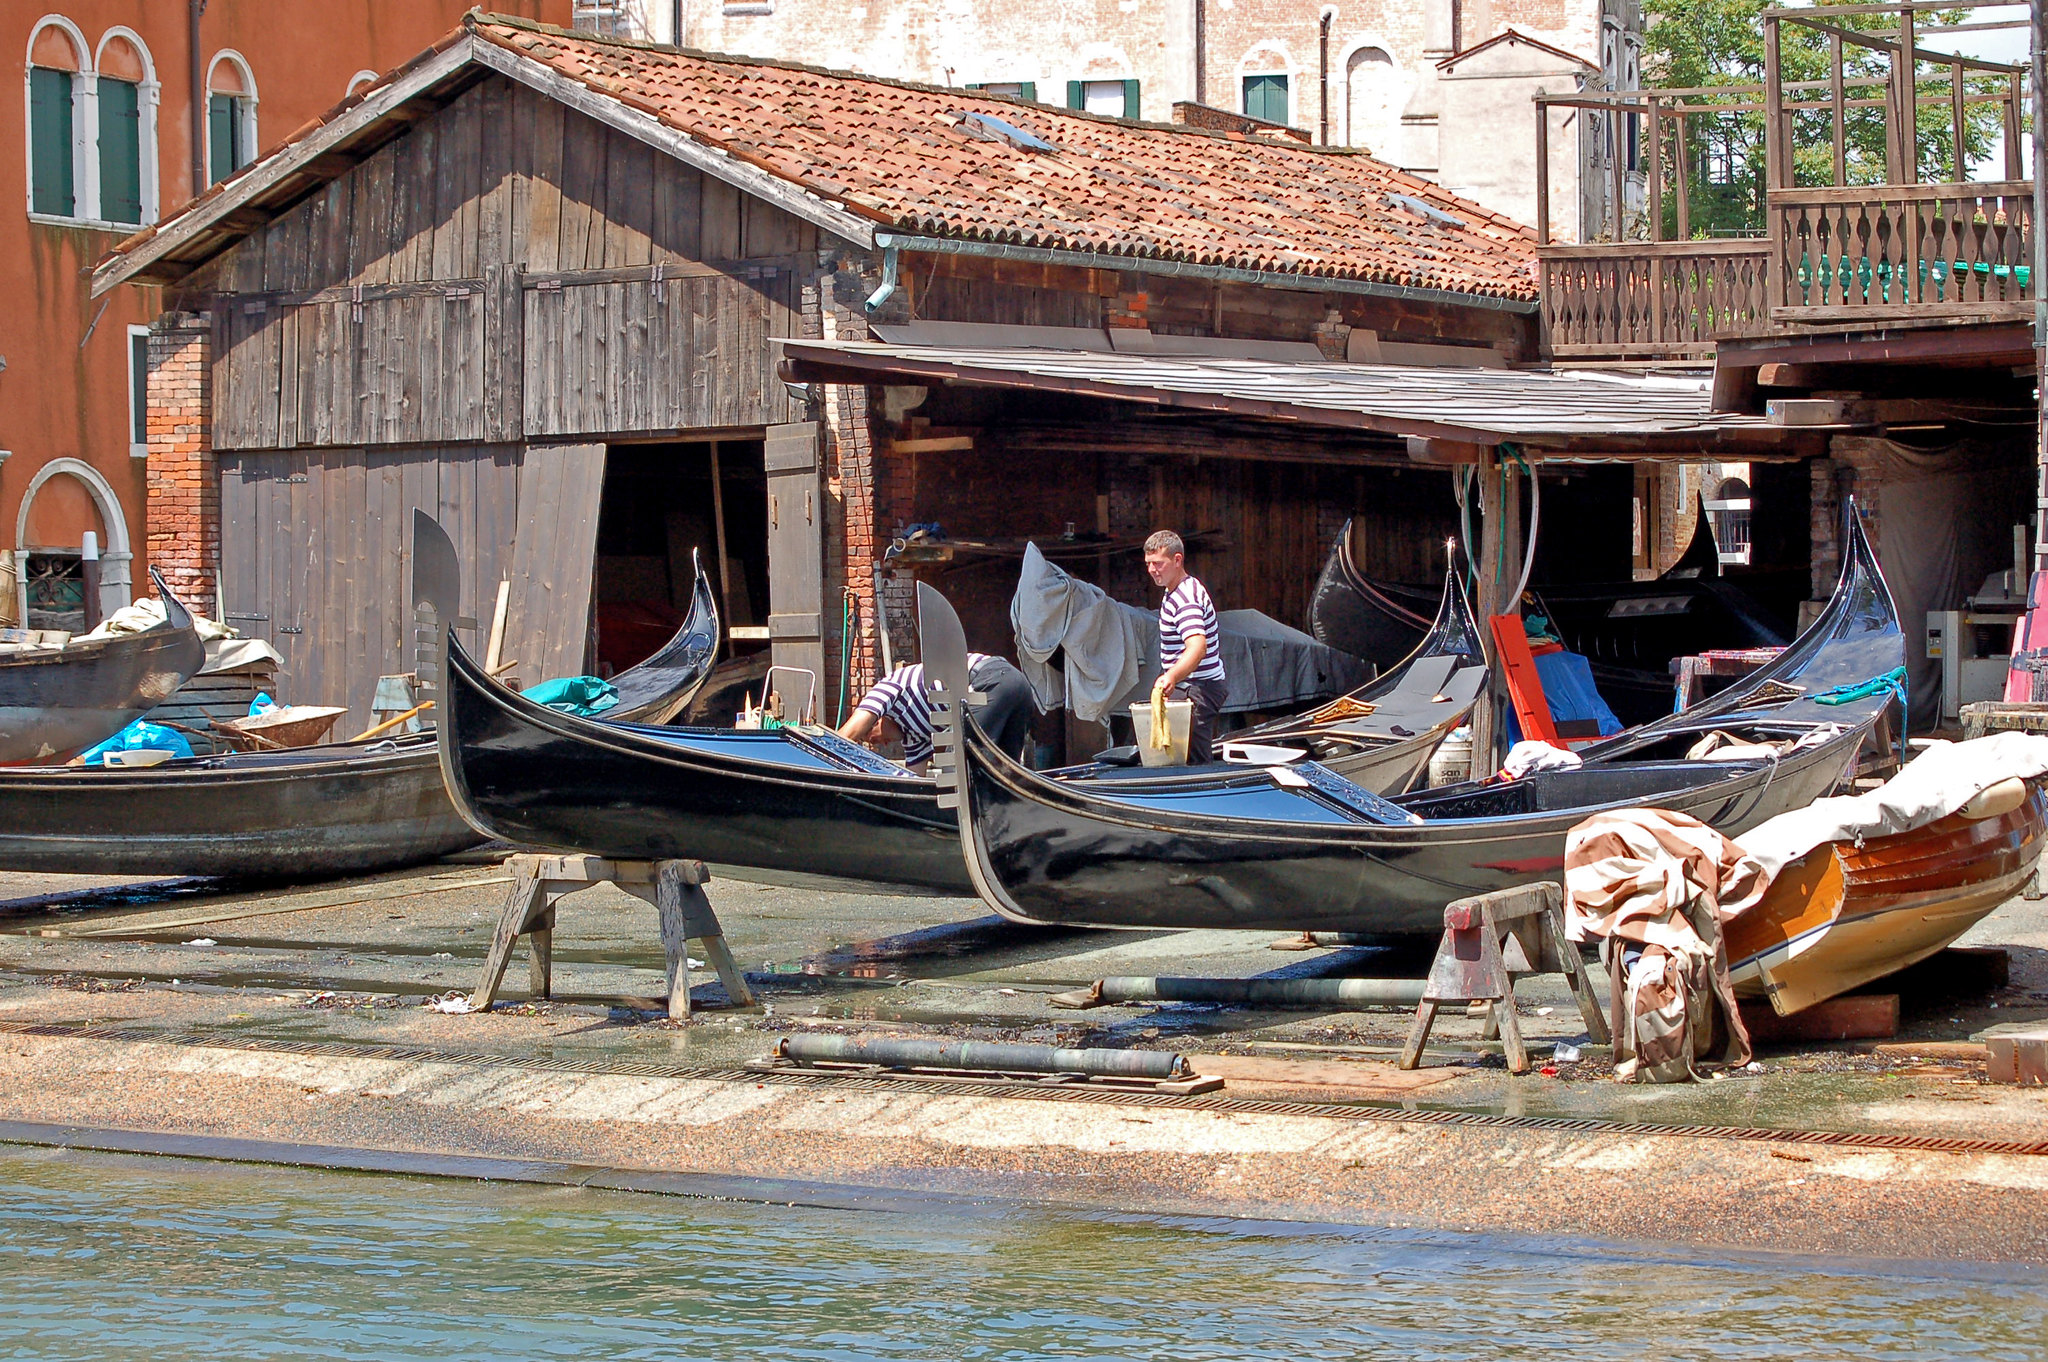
[(598, 303)]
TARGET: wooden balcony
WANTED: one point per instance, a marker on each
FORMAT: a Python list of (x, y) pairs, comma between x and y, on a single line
[(1653, 299), (1886, 253)]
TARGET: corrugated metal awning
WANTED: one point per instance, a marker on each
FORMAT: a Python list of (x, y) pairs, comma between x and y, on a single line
[(1550, 413)]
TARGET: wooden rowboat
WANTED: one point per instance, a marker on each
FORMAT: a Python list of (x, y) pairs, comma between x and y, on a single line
[(54, 705), (1843, 915)]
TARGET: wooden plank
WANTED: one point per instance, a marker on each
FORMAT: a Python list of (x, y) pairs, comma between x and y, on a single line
[(553, 552), (721, 237), (581, 178), (1858, 1016), (496, 178), (1525, 687), (544, 184), (678, 203), (629, 200)]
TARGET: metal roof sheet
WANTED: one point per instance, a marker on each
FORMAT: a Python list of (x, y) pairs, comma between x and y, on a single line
[(1564, 411)]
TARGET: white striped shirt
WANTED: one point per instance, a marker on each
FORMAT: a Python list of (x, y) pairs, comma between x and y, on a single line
[(903, 698), (1186, 610)]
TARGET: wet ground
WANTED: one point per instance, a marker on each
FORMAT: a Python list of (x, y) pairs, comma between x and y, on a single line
[(271, 995)]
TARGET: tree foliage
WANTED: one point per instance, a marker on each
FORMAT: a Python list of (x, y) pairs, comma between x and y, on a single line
[(1714, 43)]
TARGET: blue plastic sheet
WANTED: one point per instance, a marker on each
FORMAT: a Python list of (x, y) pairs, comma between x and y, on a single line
[(582, 696), (1568, 685), (140, 734)]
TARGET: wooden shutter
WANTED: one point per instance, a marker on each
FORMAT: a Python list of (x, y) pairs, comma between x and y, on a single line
[(120, 151), (1027, 90), (222, 120), (1077, 95), (796, 548), (1131, 99), (51, 187)]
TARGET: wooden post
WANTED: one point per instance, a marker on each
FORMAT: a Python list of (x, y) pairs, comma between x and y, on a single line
[(1774, 157), (2015, 163), (1681, 173), (1617, 222), (1500, 564), (494, 646), (1654, 180), (1955, 106), (1543, 172), (1909, 120), (718, 528), (1841, 112)]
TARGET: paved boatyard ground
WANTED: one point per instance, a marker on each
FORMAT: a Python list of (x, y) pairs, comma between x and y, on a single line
[(202, 1015)]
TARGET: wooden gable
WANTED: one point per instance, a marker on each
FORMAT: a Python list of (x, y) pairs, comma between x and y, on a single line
[(506, 269)]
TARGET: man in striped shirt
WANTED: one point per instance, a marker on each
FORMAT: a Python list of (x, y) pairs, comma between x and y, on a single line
[(1190, 650), (899, 707)]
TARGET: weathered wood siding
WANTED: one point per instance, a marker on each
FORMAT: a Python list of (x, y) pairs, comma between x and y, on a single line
[(506, 269), (316, 552)]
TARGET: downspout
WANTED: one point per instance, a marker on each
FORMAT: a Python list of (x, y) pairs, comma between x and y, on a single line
[(675, 32), (1323, 74), (193, 9), (1201, 51)]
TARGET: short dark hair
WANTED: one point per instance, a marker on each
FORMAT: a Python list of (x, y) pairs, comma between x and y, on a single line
[(1166, 542)]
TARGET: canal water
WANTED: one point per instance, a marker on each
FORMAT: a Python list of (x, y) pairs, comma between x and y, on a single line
[(109, 1256)]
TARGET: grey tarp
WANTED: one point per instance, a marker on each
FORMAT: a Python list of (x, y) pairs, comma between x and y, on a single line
[(1109, 651)]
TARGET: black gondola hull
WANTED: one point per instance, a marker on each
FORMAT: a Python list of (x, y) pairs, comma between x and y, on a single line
[(539, 778), (310, 813)]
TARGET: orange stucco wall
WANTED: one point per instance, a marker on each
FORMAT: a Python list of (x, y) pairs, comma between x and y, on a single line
[(63, 393)]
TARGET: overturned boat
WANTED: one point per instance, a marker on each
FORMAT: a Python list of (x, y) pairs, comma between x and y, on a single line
[(1295, 848), (55, 703)]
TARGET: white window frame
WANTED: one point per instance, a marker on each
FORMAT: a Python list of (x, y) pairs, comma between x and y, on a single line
[(138, 449), (240, 63), (151, 95), (85, 179)]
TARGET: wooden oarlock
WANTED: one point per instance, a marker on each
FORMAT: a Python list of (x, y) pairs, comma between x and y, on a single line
[(675, 888), (1488, 940)]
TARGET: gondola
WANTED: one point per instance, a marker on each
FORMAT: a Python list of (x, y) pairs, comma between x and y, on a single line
[(797, 806), (303, 813), (1627, 631), (1382, 735), (54, 705), (657, 690), (1294, 848)]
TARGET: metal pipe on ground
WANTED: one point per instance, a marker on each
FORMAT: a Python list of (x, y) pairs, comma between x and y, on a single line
[(1335, 993), (982, 1056)]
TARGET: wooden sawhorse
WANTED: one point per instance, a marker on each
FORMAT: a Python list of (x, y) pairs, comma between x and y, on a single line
[(675, 888), (1488, 939)]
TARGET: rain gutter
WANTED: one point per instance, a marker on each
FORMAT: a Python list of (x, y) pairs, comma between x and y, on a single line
[(1092, 260)]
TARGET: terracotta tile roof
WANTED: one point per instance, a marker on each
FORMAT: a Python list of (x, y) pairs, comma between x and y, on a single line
[(899, 155), (887, 150)]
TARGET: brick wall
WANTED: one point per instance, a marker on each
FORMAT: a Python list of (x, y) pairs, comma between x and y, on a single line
[(183, 507)]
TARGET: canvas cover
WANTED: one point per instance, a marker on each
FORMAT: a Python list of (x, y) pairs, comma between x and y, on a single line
[(1083, 650)]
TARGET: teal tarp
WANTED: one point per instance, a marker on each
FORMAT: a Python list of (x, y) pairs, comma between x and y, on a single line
[(583, 696)]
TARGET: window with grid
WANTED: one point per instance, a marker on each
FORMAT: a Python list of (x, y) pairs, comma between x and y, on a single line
[(1265, 97)]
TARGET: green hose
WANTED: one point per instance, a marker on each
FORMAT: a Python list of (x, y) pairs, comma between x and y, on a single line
[(845, 654)]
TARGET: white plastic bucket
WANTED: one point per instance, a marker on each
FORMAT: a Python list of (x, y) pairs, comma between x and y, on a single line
[(1452, 761), (1179, 716), (138, 756)]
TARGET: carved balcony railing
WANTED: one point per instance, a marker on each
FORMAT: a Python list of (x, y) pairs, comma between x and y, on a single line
[(1889, 252), (1653, 299)]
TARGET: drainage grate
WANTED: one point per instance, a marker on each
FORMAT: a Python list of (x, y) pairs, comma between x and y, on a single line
[(1248, 1106)]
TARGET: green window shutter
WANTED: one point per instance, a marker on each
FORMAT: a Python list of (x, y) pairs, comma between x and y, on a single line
[(138, 389), (1131, 99), (120, 151), (1027, 90), (1265, 97), (1077, 95), (224, 135), (51, 189)]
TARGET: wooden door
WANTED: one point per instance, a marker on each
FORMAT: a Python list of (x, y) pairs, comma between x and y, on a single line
[(796, 547), (553, 551)]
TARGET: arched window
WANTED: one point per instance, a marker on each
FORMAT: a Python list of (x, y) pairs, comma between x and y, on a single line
[(127, 98), (230, 116), (57, 84), (1372, 101)]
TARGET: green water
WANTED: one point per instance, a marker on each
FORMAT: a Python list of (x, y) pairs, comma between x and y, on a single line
[(110, 1257)]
